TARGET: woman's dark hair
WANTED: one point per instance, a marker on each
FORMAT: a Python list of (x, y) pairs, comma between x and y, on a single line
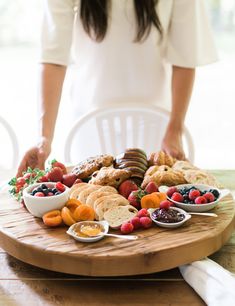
[(94, 16)]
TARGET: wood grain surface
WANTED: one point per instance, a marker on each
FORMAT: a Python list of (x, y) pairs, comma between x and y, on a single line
[(157, 249)]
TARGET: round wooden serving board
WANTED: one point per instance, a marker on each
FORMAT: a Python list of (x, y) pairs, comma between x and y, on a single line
[(157, 249)]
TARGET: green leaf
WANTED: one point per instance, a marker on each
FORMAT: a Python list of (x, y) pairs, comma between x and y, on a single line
[(13, 181)]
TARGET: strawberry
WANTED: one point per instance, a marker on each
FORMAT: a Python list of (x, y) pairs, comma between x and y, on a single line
[(69, 179), (20, 181), (43, 179), (55, 174), (151, 187), (127, 187), (135, 197), (55, 163)]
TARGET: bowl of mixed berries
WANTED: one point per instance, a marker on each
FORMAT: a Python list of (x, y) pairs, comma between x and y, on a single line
[(40, 198), (194, 197)]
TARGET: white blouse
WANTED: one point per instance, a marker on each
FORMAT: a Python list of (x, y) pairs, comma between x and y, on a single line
[(119, 70)]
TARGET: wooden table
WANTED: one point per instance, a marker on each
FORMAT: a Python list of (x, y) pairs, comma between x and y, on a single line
[(23, 284)]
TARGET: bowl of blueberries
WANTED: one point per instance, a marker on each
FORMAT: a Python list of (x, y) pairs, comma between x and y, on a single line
[(40, 198), (195, 197)]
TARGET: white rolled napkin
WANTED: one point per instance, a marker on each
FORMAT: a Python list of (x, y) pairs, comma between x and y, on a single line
[(214, 284)]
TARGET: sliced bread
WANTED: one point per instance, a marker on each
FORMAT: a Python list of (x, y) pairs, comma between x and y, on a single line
[(116, 216)]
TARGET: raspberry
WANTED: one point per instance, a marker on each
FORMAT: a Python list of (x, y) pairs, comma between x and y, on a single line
[(165, 204), (146, 222), (177, 197), (127, 228), (136, 222), (39, 194), (170, 191), (143, 213), (200, 200), (60, 187), (209, 197), (193, 194)]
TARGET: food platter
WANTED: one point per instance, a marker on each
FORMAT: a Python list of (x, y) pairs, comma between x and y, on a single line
[(28, 239)]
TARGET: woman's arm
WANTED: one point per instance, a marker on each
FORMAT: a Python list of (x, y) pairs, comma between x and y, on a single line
[(51, 83), (182, 86)]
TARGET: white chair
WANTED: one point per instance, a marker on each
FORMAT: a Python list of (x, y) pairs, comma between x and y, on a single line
[(113, 129), (9, 154)]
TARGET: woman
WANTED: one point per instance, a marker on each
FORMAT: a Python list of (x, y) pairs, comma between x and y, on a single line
[(124, 50)]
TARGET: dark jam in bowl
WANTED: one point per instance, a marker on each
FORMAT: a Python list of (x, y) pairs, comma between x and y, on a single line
[(167, 215)]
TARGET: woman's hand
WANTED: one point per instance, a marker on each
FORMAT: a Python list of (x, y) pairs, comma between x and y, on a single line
[(172, 144), (35, 157)]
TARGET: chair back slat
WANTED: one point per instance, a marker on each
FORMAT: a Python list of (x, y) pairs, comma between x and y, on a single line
[(119, 127)]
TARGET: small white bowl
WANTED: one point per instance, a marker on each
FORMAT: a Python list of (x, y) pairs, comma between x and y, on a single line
[(199, 207), (72, 233), (170, 225), (38, 206)]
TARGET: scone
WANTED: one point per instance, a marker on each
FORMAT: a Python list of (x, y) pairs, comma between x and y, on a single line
[(88, 166), (161, 158), (163, 175), (109, 176)]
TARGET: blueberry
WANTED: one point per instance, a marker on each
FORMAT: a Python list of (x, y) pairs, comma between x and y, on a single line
[(50, 190), (34, 191), (54, 190), (45, 191), (57, 193), (215, 193), (39, 189), (44, 186)]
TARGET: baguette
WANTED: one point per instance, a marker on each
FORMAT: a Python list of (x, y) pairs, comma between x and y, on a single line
[(116, 216)]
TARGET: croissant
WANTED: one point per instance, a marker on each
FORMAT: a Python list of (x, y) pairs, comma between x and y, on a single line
[(161, 158), (163, 175)]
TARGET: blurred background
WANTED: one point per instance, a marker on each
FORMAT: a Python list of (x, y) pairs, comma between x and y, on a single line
[(210, 117)]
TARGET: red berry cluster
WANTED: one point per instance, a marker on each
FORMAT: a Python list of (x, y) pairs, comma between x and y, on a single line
[(142, 220), (192, 195)]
